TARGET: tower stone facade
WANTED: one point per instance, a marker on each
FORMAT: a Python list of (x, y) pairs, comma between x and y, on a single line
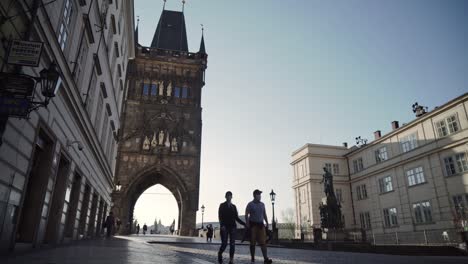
[(160, 137)]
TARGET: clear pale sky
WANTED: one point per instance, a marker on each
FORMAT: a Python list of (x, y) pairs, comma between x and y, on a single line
[(285, 73)]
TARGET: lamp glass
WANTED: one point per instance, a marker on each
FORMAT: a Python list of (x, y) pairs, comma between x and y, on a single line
[(272, 196), (49, 78)]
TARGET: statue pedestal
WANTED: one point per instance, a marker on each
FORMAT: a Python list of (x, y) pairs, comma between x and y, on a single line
[(329, 234)]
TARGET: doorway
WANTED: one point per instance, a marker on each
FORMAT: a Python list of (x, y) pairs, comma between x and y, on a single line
[(84, 210), (35, 191), (74, 199), (92, 216), (59, 205)]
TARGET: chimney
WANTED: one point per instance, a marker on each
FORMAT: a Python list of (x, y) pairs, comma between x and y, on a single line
[(395, 125), (377, 134), (345, 144)]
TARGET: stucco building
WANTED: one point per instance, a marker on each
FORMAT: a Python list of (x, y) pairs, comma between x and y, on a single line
[(57, 166), (413, 180)]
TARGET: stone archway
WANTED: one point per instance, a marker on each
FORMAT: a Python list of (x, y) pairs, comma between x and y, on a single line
[(125, 200)]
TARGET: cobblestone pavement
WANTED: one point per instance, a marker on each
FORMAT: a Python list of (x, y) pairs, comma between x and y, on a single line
[(135, 249)]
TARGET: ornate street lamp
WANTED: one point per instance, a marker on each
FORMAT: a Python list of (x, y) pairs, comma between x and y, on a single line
[(202, 213), (118, 186), (273, 198), (49, 78)]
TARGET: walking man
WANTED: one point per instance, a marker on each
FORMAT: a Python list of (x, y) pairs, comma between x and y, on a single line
[(228, 216), (145, 228), (138, 229), (110, 222), (255, 216)]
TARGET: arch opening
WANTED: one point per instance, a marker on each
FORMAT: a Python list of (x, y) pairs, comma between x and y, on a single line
[(158, 208)]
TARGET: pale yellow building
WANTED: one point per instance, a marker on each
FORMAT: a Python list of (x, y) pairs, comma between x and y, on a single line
[(408, 185)]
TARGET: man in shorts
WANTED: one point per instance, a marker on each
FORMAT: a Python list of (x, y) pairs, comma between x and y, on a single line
[(255, 216)]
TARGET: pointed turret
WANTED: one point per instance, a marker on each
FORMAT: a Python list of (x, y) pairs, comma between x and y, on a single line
[(136, 32), (202, 45)]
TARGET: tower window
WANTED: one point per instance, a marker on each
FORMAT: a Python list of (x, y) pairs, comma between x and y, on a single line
[(146, 87), (177, 92), (154, 89), (184, 92)]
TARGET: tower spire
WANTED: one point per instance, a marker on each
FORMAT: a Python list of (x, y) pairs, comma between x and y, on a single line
[(136, 30), (202, 43), (164, 5), (183, 5)]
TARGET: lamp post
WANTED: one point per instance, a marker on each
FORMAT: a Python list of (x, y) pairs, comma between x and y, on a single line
[(202, 213), (273, 197)]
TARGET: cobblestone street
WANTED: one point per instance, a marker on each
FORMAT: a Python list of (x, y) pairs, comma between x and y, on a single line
[(135, 249)]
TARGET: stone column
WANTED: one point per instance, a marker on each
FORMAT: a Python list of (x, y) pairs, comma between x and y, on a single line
[(187, 226)]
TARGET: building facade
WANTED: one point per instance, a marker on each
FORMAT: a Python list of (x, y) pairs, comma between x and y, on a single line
[(57, 166), (413, 180), (160, 139)]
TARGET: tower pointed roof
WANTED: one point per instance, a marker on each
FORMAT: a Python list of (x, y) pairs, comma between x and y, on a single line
[(171, 33), (202, 45), (136, 31)]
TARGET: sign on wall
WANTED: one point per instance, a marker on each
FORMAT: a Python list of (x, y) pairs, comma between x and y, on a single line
[(25, 53)]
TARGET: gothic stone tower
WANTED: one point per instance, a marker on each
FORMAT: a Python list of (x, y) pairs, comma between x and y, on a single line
[(160, 137)]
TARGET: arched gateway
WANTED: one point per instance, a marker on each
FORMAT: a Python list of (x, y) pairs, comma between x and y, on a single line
[(160, 137)]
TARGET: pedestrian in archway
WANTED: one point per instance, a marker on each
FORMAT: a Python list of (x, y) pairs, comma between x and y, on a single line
[(256, 218), (228, 216), (209, 233), (138, 229), (145, 227), (109, 224)]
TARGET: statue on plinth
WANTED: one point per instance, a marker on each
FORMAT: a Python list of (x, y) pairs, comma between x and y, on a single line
[(330, 212)]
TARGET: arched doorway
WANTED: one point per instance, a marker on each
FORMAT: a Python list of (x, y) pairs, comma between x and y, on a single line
[(157, 207), (126, 198)]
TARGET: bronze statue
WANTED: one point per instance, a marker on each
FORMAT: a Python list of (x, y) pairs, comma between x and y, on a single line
[(328, 183)]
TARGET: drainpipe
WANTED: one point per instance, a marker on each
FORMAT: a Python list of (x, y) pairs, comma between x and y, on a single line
[(351, 191)]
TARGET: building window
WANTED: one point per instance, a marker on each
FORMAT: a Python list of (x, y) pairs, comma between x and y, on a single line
[(119, 71), (450, 166), (422, 212), (97, 120), (364, 217), (381, 154), (441, 128), (409, 142), (184, 92), (116, 49), (104, 129), (82, 59), (114, 28), (154, 89), (385, 184), (336, 169), (460, 206), (358, 165), (462, 164), (146, 87), (447, 126), (177, 92), (453, 124), (64, 29), (390, 217), (415, 176), (328, 166), (456, 164), (339, 195), (361, 192)]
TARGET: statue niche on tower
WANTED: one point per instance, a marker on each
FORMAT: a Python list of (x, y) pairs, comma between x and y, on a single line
[(330, 209)]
